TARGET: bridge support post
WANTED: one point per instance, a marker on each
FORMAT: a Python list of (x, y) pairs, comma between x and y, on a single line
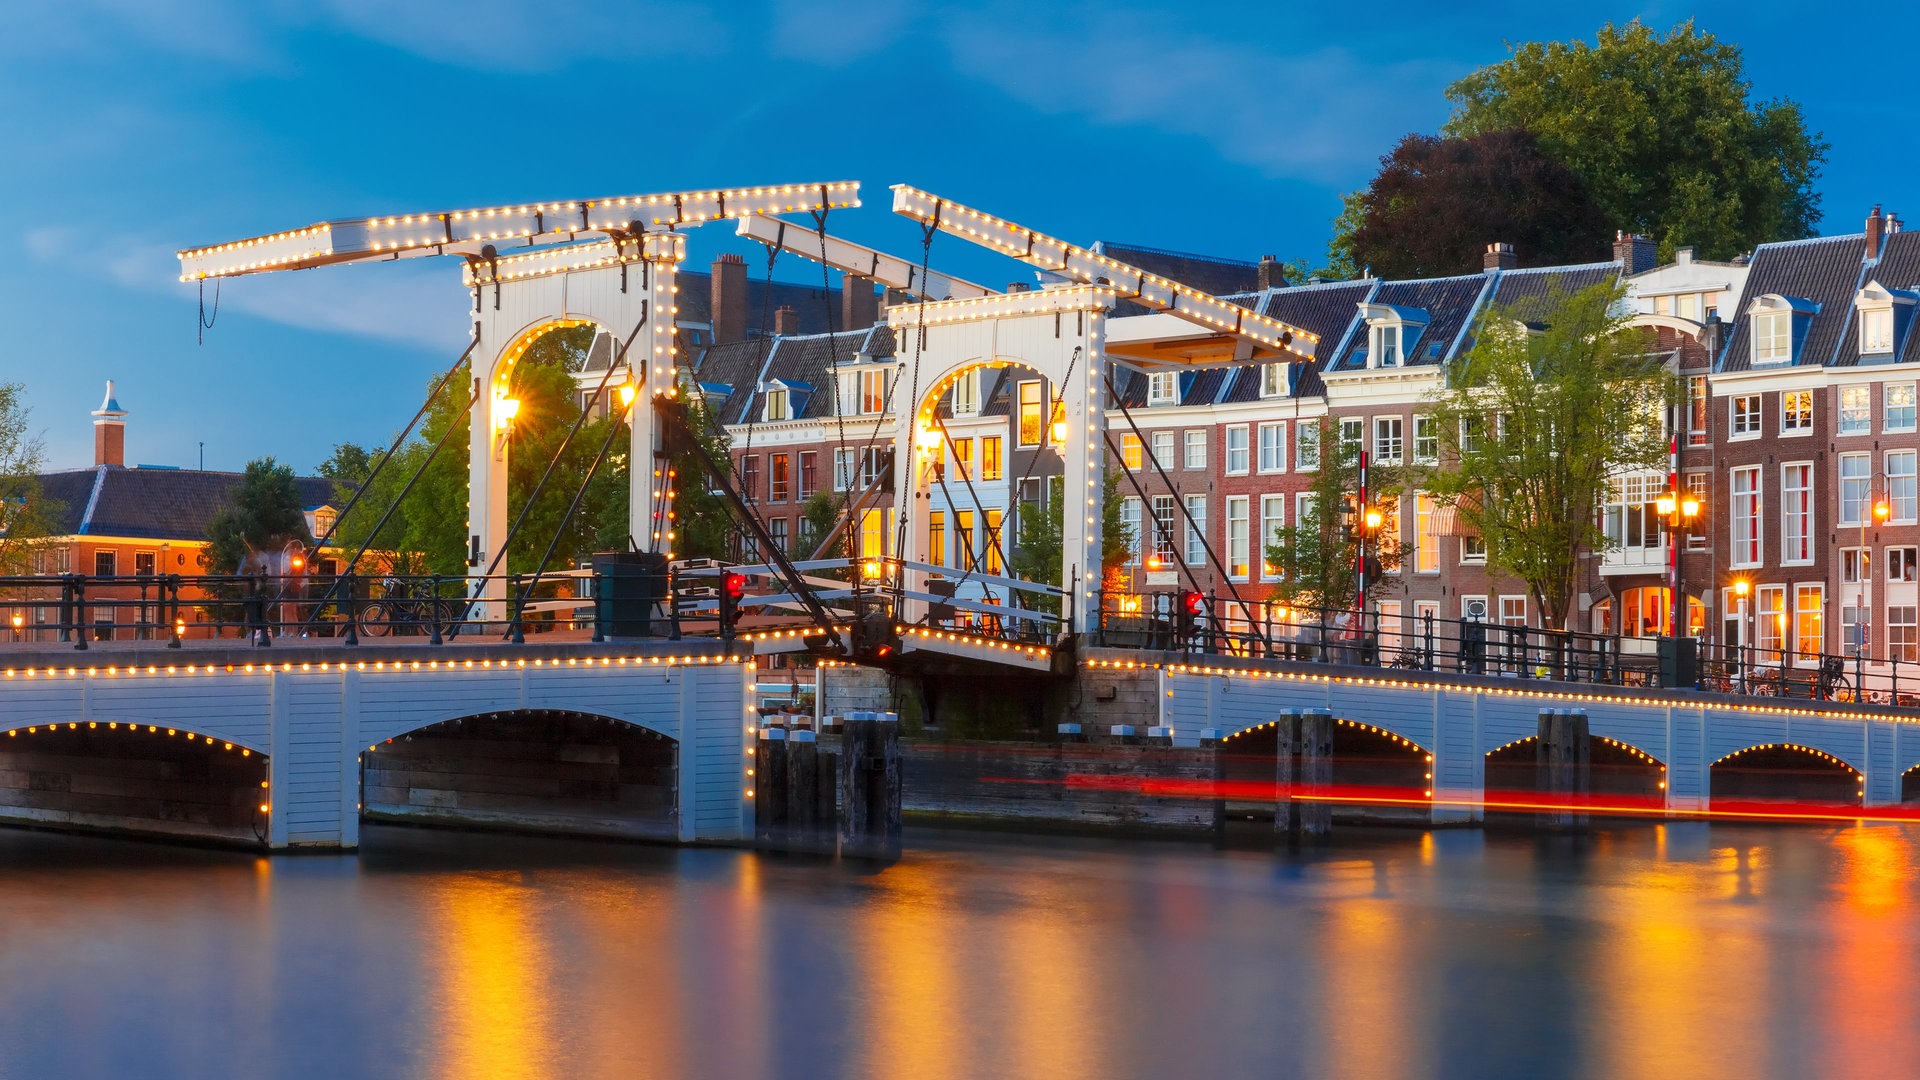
[(1563, 766), (1304, 768), (870, 785), (808, 828), (770, 789)]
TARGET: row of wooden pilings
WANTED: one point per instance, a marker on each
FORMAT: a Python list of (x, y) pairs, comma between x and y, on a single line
[(816, 799), (1303, 812)]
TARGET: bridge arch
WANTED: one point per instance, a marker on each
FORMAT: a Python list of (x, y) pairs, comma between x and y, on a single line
[(1785, 771), (1616, 770), (249, 744), (145, 779), (1380, 769), (1910, 784)]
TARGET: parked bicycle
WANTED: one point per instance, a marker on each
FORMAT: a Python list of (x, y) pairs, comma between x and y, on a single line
[(403, 608)]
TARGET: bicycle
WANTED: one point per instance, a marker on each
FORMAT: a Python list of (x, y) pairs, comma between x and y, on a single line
[(1413, 658), (402, 608), (1832, 683)]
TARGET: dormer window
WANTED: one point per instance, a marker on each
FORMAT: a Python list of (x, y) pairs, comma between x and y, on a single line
[(1778, 324), (777, 405), (1392, 333), (1884, 316), (863, 391), (966, 394), (1163, 388), (1273, 380)]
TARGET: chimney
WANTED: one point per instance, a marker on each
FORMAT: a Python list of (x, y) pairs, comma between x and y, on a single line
[(729, 299), (1893, 223), (110, 432), (859, 308), (1876, 228), (1634, 252), (1018, 286), (1712, 333), (1499, 257), (1272, 275), (786, 321)]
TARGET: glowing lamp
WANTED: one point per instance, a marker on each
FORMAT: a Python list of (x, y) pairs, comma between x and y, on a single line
[(1666, 504), (870, 569), (1690, 507), (1373, 519), (298, 563), (1153, 562), (929, 438), (627, 392), (19, 620), (507, 410), (1059, 431), (1881, 511), (1740, 587)]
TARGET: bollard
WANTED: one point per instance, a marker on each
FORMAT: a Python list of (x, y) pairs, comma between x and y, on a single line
[(1303, 775), (770, 789), (802, 777), (1562, 766), (870, 783)]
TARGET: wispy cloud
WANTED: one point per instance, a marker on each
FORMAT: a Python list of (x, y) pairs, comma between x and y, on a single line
[(417, 303)]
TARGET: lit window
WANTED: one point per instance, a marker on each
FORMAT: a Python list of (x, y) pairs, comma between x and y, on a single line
[(937, 538), (779, 477), (990, 467), (777, 404), (1130, 451), (1796, 412), (1273, 520), (1163, 511), (1030, 433), (995, 542), (1856, 410), (1426, 559), (1809, 621), (1238, 556)]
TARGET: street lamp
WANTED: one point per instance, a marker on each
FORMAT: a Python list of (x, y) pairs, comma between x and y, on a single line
[(19, 621), (1862, 618), (1740, 589), (1679, 509)]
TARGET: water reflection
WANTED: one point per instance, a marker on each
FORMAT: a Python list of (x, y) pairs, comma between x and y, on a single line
[(1671, 950)]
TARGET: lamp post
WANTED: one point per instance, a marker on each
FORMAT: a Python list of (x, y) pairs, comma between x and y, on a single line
[(1862, 617), (1740, 589), (1679, 509)]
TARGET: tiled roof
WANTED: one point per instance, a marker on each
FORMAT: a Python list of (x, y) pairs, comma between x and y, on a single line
[(157, 504), (1525, 292), (1898, 268), (1203, 272), (805, 358), (1825, 270), (1449, 303), (1327, 309)]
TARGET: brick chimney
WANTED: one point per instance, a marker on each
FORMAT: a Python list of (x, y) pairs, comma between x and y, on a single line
[(1499, 257), (729, 299), (110, 432), (1634, 252), (786, 321), (1272, 274), (1876, 229), (859, 308)]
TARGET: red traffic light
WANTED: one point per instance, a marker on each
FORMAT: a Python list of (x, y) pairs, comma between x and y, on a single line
[(734, 585), (1193, 602)]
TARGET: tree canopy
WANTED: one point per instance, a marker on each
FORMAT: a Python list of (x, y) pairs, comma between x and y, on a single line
[(263, 511), (1437, 202), (1317, 555), (1535, 419), (1661, 131), (26, 514)]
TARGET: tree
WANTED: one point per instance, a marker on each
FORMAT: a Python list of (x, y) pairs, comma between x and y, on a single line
[(1661, 131), (1532, 425), (1035, 554), (1436, 203), (27, 516), (703, 518), (1318, 555), (263, 512)]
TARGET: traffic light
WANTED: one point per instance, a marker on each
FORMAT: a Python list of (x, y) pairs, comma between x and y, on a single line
[(1349, 519), (1186, 615), (875, 638), (733, 587)]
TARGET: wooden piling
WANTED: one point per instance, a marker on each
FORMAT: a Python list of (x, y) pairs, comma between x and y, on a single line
[(870, 785), (770, 789), (1562, 765), (1286, 821), (1315, 775), (803, 763)]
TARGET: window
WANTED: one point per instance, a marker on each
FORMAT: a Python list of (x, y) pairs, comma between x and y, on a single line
[(103, 563), (1273, 448), (809, 474), (1770, 620), (1629, 517), (1163, 530), (1796, 412), (1130, 455), (1900, 487), (1273, 520), (963, 539), (1030, 433), (966, 394), (1273, 380), (1850, 565), (963, 458), (1856, 484), (1306, 447), (873, 534), (1513, 611), (779, 477), (990, 466), (777, 404), (1903, 633), (1900, 563), (750, 477), (1196, 530), (1426, 441), (1473, 549), (1809, 621), (1876, 331), (1163, 450), (1850, 628), (1163, 388), (996, 544), (1238, 454), (1856, 410), (1772, 337), (1697, 484), (937, 537), (1130, 514), (1239, 559), (1196, 449), (1796, 508), (1387, 440), (1426, 545), (1899, 407), (1746, 515), (143, 563), (1471, 429), (1696, 410), (1746, 416), (1352, 430), (777, 529)]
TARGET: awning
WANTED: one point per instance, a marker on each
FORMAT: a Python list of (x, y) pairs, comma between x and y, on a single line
[(1448, 521)]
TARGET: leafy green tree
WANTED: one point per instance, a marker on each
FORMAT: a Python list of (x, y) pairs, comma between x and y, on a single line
[(1436, 203), (819, 517), (27, 516), (263, 512), (703, 518), (1035, 554), (1662, 132), (1533, 423), (1317, 556)]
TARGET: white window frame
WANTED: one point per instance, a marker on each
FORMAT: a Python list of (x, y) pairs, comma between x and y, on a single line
[(1239, 455), (1904, 393), (1193, 455), (778, 405), (1273, 380), (1772, 336), (1855, 410), (1796, 413), (1876, 331), (1163, 448), (966, 393), (1426, 433), (1272, 447), (1743, 416), (1239, 561), (1746, 525), (1389, 440), (1272, 524), (1196, 523), (1163, 388), (1796, 513), (1856, 487), (1306, 446), (1900, 486)]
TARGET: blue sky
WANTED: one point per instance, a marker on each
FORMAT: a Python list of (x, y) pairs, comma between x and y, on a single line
[(137, 127)]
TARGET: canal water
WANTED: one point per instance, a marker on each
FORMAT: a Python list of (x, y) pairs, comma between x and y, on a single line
[(1688, 950)]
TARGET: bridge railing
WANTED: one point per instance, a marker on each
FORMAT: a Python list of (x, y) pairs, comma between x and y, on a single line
[(1425, 642), (76, 609)]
